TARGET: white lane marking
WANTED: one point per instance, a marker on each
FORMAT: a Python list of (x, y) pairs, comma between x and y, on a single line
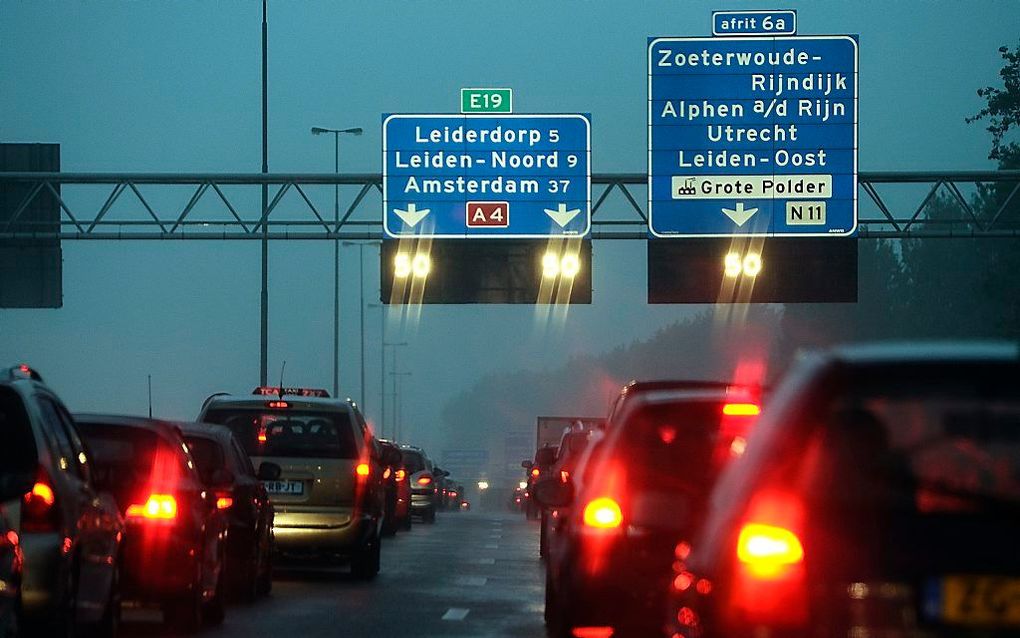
[(471, 581), (482, 561), (490, 546), (455, 613)]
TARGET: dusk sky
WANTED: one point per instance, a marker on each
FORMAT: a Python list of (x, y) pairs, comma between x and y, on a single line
[(174, 86)]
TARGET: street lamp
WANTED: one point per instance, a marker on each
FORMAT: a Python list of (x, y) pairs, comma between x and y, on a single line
[(318, 130), (396, 402), (361, 306)]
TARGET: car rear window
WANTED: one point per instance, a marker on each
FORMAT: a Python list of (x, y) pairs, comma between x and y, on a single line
[(936, 439), (18, 453), (208, 456), (413, 462), (125, 458), (290, 433), (685, 443)]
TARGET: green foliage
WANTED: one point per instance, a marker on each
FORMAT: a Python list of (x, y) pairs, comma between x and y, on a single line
[(1002, 108)]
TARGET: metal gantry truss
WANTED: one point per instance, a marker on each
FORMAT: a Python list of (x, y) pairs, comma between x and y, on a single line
[(297, 203)]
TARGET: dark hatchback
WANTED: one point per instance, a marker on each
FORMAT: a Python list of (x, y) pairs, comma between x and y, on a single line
[(879, 496), (226, 470), (646, 484), (175, 544)]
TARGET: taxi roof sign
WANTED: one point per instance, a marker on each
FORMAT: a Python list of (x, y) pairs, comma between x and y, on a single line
[(297, 392)]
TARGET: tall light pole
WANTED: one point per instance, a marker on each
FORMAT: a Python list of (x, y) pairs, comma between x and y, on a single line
[(264, 298), (318, 130), (396, 399), (383, 376), (361, 307)]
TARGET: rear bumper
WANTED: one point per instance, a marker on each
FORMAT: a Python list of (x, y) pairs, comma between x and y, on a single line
[(157, 564), (322, 532)]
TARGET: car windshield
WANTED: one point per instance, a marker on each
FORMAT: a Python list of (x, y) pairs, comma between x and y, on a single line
[(290, 433), (208, 456)]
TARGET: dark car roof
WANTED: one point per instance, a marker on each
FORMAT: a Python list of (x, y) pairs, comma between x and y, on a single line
[(925, 352), (163, 428), (219, 433)]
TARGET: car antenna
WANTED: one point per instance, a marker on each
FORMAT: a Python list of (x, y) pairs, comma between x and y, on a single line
[(150, 396), (279, 389)]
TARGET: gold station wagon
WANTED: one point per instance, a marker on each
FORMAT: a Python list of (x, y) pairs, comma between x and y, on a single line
[(321, 466)]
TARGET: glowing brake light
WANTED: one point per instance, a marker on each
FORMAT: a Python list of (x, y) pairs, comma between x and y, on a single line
[(224, 502), (400, 475), (362, 469), (453, 495), (278, 404), (386, 473), (741, 409), (424, 480), (157, 507), (767, 549), (42, 494), (535, 472), (592, 632), (603, 513)]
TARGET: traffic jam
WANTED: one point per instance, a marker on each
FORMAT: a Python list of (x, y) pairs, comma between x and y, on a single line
[(101, 511), (871, 489)]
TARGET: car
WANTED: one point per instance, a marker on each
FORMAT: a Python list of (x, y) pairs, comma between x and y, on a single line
[(572, 445), (545, 457), (424, 478), (174, 551), (647, 483), (878, 497), (398, 490), (329, 496), (227, 471), (64, 529)]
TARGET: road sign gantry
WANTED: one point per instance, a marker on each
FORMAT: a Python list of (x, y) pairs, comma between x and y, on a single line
[(486, 175), (752, 136)]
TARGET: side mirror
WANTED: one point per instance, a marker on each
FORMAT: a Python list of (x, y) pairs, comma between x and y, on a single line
[(14, 485), (526, 464), (222, 477), (551, 492), (269, 471)]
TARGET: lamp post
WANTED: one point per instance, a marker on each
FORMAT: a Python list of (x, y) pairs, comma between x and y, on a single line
[(361, 308), (318, 130), (382, 383), (396, 399)]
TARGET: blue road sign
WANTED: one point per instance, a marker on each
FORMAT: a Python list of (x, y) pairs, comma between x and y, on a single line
[(781, 22), (486, 175), (752, 136)]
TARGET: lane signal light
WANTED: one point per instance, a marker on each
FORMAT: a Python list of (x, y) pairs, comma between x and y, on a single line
[(750, 265)]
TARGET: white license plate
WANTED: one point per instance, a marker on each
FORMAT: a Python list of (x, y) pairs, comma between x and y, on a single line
[(292, 488)]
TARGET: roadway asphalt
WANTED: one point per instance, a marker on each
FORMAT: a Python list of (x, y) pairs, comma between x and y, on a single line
[(471, 574)]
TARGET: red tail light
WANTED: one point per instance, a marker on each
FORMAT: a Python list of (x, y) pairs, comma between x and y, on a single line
[(158, 507), (39, 513), (603, 513), (770, 581), (453, 495), (400, 475), (767, 550), (535, 472), (224, 500), (424, 480), (362, 469), (592, 632), (278, 404)]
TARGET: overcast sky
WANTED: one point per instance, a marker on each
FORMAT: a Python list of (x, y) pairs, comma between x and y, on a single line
[(174, 86)]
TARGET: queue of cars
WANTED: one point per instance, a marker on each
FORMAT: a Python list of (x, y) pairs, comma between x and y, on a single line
[(99, 509), (874, 492)]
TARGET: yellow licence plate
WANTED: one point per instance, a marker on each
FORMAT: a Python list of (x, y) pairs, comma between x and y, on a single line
[(981, 600)]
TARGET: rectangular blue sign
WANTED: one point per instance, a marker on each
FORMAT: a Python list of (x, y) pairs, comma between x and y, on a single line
[(752, 136), (735, 23), (486, 175)]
